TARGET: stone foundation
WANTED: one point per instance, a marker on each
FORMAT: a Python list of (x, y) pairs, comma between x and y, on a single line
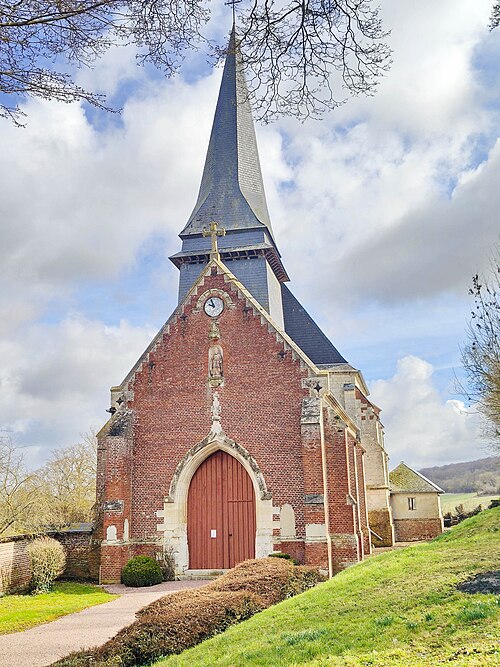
[(296, 549), (411, 530), (381, 523), (345, 550)]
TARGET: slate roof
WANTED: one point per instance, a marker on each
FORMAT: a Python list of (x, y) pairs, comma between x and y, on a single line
[(304, 331), (232, 189), (404, 479)]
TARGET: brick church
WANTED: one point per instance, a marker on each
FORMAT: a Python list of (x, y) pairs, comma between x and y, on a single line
[(241, 430)]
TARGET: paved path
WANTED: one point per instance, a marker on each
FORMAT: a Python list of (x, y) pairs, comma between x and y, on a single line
[(44, 644)]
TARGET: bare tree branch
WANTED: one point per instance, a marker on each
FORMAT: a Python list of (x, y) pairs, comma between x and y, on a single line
[(481, 354), (495, 15), (302, 56)]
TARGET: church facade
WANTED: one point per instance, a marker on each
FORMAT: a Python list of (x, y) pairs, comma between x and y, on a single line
[(241, 430)]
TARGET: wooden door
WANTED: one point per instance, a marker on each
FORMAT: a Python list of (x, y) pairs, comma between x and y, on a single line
[(221, 514)]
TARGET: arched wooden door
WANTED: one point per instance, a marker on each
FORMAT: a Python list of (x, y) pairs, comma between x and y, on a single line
[(221, 514)]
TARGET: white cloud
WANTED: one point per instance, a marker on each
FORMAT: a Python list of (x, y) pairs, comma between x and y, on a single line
[(382, 182), (77, 203), (373, 205), (421, 428), (55, 379)]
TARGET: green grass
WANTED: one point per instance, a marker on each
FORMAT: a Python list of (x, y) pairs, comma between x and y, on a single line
[(469, 500), (20, 612), (398, 609)]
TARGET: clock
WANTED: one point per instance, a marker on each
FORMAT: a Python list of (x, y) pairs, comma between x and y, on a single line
[(214, 306)]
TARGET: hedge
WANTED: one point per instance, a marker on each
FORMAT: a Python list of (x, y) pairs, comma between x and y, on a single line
[(183, 619)]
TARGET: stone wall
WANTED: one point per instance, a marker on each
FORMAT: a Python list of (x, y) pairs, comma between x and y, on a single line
[(411, 530), (81, 559)]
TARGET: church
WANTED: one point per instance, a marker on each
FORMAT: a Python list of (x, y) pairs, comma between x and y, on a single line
[(241, 431)]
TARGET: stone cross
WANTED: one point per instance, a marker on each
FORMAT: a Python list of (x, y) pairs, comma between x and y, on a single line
[(214, 231)]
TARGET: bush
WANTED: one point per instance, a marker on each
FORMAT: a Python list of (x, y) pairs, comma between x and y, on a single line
[(272, 579), (183, 619), (280, 554), (142, 571), (47, 560)]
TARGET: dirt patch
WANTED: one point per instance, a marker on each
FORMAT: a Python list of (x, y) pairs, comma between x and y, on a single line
[(485, 582)]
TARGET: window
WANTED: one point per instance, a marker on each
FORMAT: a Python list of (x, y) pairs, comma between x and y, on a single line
[(412, 503)]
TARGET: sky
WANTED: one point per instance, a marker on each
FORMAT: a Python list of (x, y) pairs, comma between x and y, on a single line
[(383, 212)]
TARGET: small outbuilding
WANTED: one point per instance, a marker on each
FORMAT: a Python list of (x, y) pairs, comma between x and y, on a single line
[(416, 505)]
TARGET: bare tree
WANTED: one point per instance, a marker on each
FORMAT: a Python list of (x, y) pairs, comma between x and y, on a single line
[(290, 49), (495, 15), (302, 58), (481, 355), (19, 490), (67, 483)]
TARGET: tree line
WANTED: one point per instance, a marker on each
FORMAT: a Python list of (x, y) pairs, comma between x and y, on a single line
[(56, 495)]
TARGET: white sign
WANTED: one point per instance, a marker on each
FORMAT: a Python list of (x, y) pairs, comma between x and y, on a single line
[(213, 533)]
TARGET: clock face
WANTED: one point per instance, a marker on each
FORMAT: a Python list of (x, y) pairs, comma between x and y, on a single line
[(214, 306)]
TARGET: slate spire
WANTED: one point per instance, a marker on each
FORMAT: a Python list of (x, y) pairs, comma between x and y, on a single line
[(232, 189)]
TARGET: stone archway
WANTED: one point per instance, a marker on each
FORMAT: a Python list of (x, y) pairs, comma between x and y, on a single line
[(174, 512)]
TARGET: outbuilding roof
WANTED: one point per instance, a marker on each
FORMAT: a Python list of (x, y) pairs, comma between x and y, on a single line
[(404, 479)]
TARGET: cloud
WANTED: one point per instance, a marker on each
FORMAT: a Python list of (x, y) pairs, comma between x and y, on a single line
[(433, 249), (372, 210), (78, 202), (395, 185), (420, 427), (55, 379)]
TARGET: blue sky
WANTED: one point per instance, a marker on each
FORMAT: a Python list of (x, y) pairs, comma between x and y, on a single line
[(382, 212)]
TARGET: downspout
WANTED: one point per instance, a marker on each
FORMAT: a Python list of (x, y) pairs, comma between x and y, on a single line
[(325, 490)]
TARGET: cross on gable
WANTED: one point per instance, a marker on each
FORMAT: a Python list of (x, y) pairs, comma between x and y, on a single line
[(214, 231)]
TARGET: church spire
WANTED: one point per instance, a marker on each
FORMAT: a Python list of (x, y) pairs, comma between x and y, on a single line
[(232, 189)]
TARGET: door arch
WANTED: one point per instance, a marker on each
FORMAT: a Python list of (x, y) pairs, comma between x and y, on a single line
[(221, 521)]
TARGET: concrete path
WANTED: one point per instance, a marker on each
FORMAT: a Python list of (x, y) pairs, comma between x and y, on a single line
[(44, 644)]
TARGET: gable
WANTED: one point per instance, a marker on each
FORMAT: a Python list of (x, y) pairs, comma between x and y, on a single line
[(404, 479), (229, 284)]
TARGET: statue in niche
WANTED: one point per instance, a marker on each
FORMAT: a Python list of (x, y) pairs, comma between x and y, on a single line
[(215, 362)]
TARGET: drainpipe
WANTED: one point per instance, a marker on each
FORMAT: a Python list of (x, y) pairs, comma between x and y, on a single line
[(325, 490)]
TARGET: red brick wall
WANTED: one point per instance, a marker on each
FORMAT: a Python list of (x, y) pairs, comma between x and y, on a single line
[(261, 410), (78, 548), (409, 530), (261, 404)]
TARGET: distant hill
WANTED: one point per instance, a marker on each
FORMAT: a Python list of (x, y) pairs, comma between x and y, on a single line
[(481, 476)]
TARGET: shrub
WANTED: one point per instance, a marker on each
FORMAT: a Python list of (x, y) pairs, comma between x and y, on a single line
[(272, 579), (142, 571), (280, 554), (183, 619), (47, 560)]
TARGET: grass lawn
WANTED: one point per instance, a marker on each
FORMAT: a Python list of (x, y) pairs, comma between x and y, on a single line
[(469, 500), (399, 609), (19, 612)]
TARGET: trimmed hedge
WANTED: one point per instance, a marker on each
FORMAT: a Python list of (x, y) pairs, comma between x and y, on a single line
[(142, 571), (183, 619)]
